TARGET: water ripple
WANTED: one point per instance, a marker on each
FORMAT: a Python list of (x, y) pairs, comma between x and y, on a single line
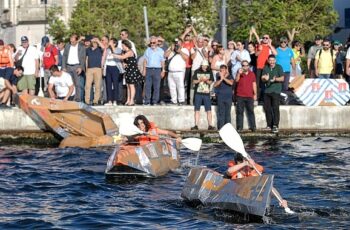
[(67, 188)]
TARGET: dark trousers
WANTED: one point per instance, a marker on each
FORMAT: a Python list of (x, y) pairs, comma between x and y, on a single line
[(286, 81), (188, 84), (152, 81), (138, 93), (224, 110), (260, 86), (163, 83), (248, 104), (272, 109), (112, 83)]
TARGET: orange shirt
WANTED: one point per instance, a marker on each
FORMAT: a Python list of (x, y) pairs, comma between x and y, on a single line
[(263, 56), (188, 45)]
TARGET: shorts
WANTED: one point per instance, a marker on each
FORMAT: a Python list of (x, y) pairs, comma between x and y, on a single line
[(26, 82), (2, 83), (200, 99)]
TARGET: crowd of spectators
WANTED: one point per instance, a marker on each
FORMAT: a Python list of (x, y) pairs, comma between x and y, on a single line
[(192, 69)]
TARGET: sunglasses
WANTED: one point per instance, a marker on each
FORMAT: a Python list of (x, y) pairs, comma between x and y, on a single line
[(265, 37), (245, 65), (153, 43), (283, 42)]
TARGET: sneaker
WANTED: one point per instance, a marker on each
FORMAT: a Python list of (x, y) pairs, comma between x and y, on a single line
[(274, 129), (109, 104), (194, 127), (114, 103), (267, 128), (211, 127), (4, 106)]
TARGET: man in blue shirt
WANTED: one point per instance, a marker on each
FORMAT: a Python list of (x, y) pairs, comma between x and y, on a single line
[(285, 58), (93, 71), (223, 89), (153, 70), (10, 84)]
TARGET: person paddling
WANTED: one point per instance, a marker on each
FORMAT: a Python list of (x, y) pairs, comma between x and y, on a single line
[(240, 168), (152, 131)]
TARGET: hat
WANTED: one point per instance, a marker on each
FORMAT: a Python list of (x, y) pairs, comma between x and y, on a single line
[(205, 63), (1, 42), (88, 37), (283, 39), (318, 37), (336, 42), (44, 41), (24, 39)]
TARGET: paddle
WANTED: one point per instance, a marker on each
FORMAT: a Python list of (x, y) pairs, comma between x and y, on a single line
[(233, 140), (127, 129), (41, 93)]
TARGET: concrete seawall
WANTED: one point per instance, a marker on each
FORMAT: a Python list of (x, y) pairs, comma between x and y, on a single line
[(182, 117)]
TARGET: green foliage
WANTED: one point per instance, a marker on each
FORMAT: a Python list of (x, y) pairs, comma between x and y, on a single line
[(278, 17), (168, 18), (57, 29)]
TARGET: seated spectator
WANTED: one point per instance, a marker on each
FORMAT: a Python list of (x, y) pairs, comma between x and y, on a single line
[(61, 85), (9, 86)]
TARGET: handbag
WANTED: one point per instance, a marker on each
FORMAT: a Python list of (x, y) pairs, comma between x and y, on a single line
[(20, 61)]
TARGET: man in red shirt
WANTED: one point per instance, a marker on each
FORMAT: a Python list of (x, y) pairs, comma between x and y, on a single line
[(50, 58), (263, 51), (188, 43), (246, 93)]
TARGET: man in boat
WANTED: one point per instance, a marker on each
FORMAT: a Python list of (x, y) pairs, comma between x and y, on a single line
[(152, 131), (240, 168)]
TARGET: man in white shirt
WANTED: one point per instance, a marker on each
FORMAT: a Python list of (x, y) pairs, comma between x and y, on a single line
[(73, 61), (177, 57), (30, 62), (61, 85), (124, 35)]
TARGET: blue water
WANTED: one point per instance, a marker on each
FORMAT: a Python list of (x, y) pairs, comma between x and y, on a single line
[(67, 189)]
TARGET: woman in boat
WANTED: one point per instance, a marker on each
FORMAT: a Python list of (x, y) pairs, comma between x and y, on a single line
[(240, 168), (152, 131)]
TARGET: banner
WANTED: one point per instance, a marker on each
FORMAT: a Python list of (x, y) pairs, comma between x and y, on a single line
[(321, 92)]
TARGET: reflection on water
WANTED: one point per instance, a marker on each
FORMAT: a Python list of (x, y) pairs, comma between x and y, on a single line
[(66, 188)]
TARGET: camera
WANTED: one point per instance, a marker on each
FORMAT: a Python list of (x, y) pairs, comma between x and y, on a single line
[(176, 45)]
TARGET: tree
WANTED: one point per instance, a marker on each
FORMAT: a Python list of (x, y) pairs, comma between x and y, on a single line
[(168, 18), (57, 29), (301, 18)]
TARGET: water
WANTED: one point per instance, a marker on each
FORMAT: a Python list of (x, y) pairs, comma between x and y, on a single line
[(66, 188)]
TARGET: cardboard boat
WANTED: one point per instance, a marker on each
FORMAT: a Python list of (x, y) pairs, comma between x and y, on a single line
[(77, 123), (250, 195), (151, 160)]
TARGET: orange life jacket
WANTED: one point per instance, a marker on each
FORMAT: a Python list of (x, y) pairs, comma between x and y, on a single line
[(246, 171), (5, 60), (151, 137)]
